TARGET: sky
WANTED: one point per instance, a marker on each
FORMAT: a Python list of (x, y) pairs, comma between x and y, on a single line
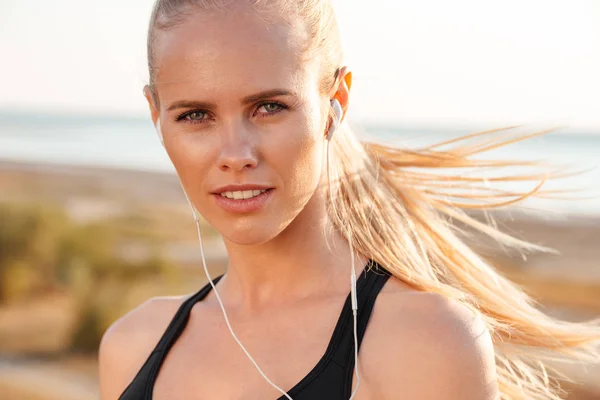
[(424, 63)]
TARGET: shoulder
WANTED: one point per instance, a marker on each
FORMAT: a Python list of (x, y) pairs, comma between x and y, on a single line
[(128, 342), (424, 344)]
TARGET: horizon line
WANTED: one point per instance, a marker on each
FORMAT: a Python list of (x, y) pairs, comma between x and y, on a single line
[(44, 115)]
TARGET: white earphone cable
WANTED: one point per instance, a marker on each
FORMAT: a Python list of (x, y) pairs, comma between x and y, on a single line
[(355, 323), (196, 219), (353, 293)]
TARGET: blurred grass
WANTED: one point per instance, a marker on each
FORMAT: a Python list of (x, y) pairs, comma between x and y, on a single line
[(44, 256)]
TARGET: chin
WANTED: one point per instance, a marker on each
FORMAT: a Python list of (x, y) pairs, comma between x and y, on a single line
[(250, 234)]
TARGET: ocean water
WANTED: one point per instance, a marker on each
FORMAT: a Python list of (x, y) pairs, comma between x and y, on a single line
[(132, 143)]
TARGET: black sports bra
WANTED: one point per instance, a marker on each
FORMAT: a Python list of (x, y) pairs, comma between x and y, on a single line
[(330, 378)]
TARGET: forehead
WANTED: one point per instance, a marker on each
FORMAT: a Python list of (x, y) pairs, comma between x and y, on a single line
[(232, 51)]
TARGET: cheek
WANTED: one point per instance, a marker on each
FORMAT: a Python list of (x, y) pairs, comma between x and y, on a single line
[(192, 159), (301, 152)]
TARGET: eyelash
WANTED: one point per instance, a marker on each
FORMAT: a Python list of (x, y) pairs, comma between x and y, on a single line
[(186, 114)]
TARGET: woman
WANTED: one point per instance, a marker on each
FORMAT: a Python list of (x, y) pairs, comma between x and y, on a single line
[(250, 97)]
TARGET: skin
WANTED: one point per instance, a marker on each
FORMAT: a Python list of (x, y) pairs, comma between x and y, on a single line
[(281, 271)]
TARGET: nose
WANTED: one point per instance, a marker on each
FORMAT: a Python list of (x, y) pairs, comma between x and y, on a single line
[(238, 149)]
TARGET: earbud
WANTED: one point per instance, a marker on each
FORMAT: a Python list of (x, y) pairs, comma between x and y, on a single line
[(159, 131), (339, 113)]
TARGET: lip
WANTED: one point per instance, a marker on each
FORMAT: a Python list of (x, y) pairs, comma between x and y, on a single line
[(235, 188), (243, 206)]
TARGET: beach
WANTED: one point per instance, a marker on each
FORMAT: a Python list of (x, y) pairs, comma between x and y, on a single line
[(33, 331)]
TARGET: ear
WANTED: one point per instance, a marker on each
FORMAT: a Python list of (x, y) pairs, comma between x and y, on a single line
[(342, 93), (152, 104)]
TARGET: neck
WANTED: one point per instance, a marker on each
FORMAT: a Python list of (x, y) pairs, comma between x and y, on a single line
[(309, 259)]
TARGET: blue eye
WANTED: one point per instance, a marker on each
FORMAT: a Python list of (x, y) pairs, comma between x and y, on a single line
[(271, 108), (194, 116)]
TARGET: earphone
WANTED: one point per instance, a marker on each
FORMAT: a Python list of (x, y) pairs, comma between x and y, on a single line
[(337, 120), (159, 132), (335, 123)]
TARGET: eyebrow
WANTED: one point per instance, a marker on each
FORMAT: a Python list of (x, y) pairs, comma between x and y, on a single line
[(266, 94), (246, 100), (191, 104)]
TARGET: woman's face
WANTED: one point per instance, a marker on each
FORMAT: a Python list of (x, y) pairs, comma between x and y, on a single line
[(239, 107)]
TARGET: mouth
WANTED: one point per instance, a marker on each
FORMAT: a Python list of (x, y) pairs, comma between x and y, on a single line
[(243, 201), (243, 194)]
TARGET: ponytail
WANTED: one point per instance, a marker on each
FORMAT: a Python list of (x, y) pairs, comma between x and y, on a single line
[(414, 222)]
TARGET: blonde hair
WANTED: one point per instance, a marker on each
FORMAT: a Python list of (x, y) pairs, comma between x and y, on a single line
[(417, 236)]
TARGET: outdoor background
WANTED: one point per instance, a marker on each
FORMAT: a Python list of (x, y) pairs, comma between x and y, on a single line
[(92, 219)]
